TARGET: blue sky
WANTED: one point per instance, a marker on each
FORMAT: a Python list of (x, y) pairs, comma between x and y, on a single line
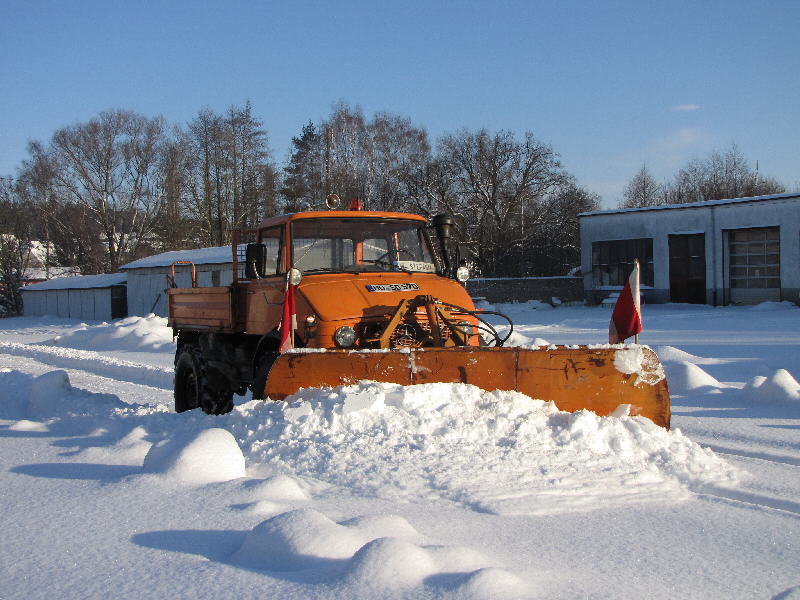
[(610, 85)]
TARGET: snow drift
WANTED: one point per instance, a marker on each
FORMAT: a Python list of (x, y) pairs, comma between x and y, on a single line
[(133, 334), (499, 452)]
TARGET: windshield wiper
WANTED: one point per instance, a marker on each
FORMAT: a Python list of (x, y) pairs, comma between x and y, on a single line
[(383, 261)]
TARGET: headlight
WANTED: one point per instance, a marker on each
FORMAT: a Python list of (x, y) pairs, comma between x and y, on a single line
[(345, 337), (295, 276), (462, 274)]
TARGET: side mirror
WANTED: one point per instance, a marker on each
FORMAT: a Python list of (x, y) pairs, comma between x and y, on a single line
[(256, 258), (444, 230), (444, 226)]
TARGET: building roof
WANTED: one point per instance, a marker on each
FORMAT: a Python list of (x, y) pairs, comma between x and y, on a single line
[(704, 204), (79, 282), (200, 256)]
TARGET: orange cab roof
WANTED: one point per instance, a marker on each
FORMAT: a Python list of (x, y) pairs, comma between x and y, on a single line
[(342, 214)]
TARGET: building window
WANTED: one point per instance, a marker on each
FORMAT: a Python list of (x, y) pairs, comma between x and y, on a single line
[(755, 256), (612, 261)]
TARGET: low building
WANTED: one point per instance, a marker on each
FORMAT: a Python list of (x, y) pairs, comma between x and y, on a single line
[(738, 251), (86, 297)]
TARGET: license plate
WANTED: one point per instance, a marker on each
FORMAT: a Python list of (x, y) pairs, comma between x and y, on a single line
[(393, 287)]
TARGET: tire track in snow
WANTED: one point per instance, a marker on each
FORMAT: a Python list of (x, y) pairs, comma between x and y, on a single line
[(93, 362), (751, 499), (776, 458)]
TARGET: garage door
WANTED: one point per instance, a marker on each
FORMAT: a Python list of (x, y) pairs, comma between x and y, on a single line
[(755, 267), (687, 268)]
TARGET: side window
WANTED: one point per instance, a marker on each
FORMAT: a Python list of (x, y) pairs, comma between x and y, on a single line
[(271, 240)]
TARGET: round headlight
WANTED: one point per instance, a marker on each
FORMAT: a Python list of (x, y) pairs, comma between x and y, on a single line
[(462, 274), (345, 337), (295, 276)]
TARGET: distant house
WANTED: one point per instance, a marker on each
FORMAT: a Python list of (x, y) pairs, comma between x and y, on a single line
[(88, 297), (737, 251), (148, 277)]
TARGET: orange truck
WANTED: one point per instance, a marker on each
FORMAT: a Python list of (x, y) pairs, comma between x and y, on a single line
[(327, 298)]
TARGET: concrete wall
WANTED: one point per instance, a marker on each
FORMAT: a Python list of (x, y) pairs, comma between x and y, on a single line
[(567, 289), (713, 220)]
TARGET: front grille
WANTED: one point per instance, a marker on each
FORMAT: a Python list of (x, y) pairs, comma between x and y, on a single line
[(411, 333)]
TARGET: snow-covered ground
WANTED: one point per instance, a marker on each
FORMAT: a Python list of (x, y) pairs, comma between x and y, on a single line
[(380, 491)]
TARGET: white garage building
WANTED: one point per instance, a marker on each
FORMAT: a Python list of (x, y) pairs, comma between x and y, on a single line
[(739, 251), (88, 297)]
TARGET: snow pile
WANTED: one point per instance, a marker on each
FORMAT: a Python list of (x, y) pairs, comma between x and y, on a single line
[(781, 386), (383, 554), (47, 391), (305, 538), (499, 452), (280, 488), (672, 354), (26, 425), (275, 494), (686, 377), (770, 306), (209, 456), (134, 334), (390, 564), (51, 394)]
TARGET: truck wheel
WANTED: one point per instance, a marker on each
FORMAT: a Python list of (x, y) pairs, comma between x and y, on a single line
[(215, 399), (260, 380), (187, 377), (198, 386)]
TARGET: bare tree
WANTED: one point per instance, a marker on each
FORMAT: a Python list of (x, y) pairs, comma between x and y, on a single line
[(355, 158), (230, 181), (721, 175), (554, 248), (174, 229), (396, 147), (104, 171), (505, 189), (67, 227), (642, 191)]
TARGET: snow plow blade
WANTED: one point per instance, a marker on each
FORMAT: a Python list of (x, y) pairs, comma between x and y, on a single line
[(574, 378)]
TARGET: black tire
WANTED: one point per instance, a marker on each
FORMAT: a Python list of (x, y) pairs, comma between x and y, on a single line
[(187, 378), (262, 371), (198, 386)]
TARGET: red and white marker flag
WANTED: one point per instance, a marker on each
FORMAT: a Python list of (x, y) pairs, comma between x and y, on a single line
[(289, 319), (626, 320)]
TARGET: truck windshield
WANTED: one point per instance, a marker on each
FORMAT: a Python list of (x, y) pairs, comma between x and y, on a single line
[(343, 245)]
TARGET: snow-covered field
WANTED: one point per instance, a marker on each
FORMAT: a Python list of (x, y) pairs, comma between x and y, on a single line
[(380, 491)]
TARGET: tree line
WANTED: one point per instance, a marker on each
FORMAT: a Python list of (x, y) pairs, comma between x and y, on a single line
[(718, 176), (122, 186)]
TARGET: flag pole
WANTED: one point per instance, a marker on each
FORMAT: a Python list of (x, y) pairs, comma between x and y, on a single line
[(636, 300)]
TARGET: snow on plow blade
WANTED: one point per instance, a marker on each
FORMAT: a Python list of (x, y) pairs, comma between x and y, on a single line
[(574, 378)]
